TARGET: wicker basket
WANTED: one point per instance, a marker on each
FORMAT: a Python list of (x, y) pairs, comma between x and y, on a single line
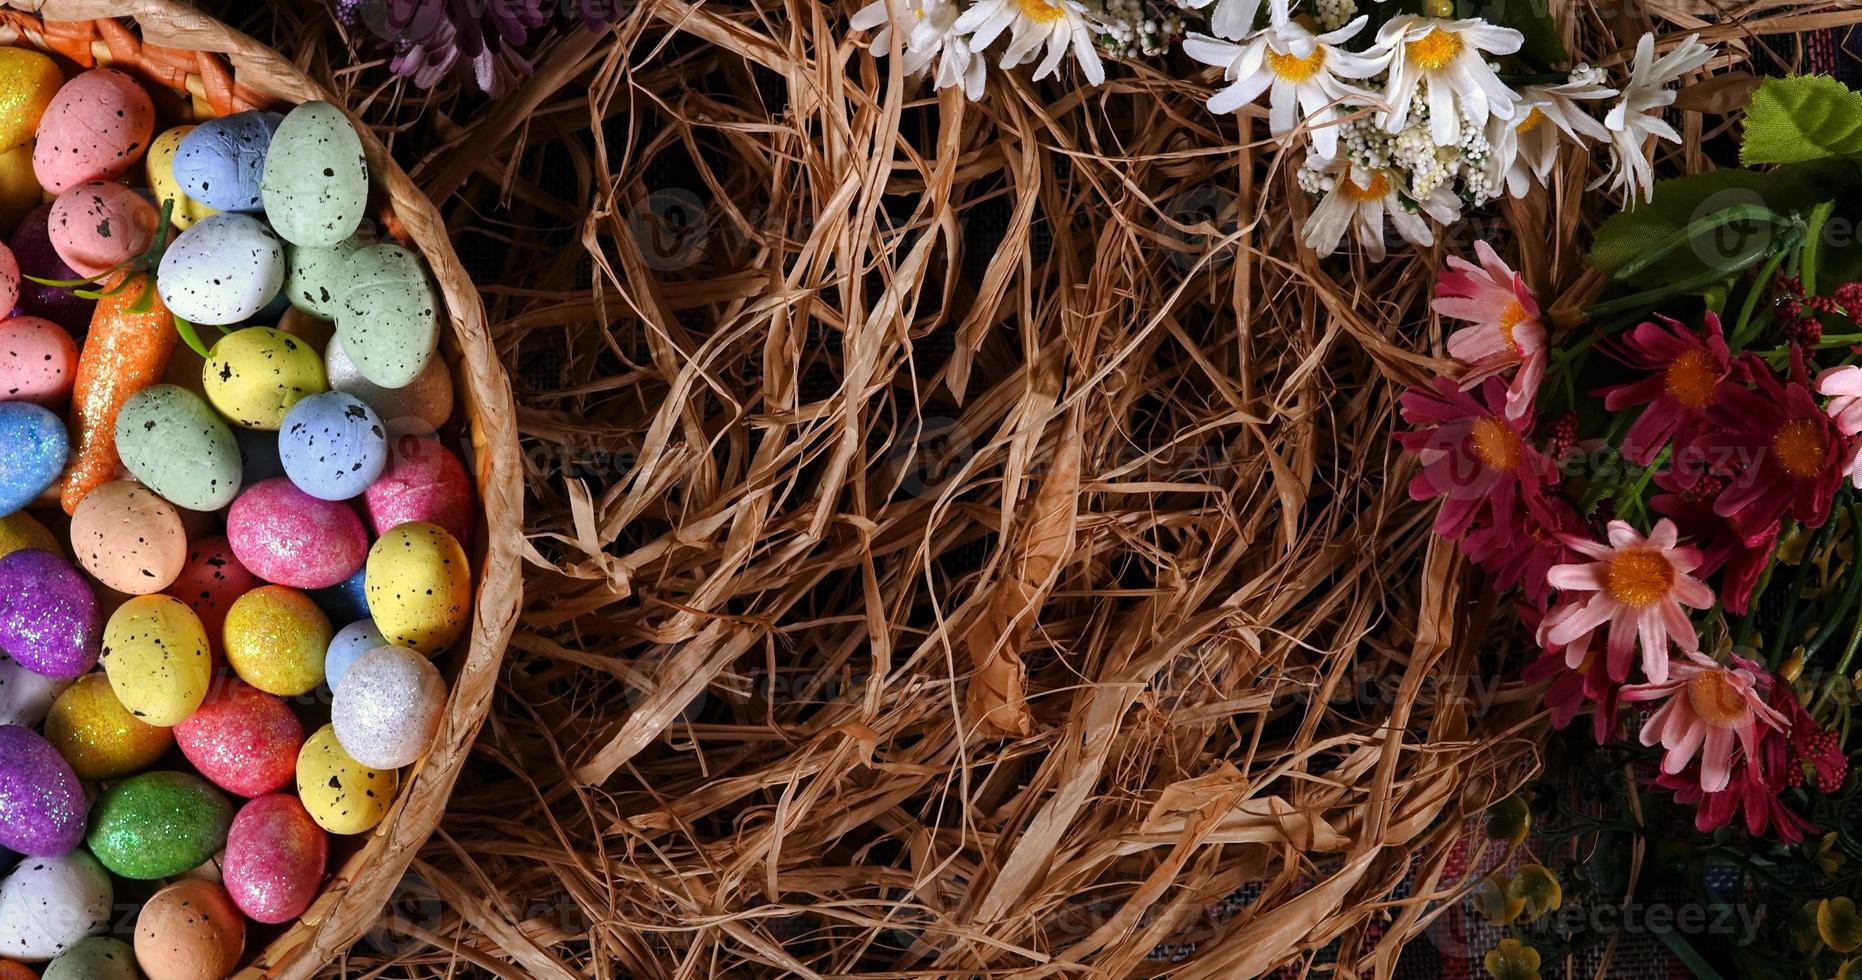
[(213, 70)]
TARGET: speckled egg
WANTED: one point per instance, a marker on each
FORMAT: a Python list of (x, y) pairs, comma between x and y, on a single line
[(189, 931), (19, 187), (41, 802), (316, 184), (160, 166), (49, 904), (350, 642), (241, 738), (128, 538), (421, 407), (212, 578), (25, 697), (96, 958), (20, 530), (388, 706), (177, 445), (287, 536), (15, 970), (28, 83), (98, 736), (388, 317), (275, 638), (333, 446), (221, 270), (275, 855), (343, 795), (314, 276), (158, 824), (254, 376), (346, 601), (49, 621), (32, 453), (419, 586), (32, 248), (424, 481), (96, 128), (220, 162), (155, 654), (9, 275), (38, 360), (99, 225)]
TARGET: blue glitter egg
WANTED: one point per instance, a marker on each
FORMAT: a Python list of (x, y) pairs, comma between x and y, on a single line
[(33, 448), (344, 602)]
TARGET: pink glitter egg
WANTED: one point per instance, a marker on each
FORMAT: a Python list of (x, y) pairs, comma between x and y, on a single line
[(244, 740), (96, 128), (286, 536), (210, 581), (98, 226), (38, 359), (424, 481), (275, 855)]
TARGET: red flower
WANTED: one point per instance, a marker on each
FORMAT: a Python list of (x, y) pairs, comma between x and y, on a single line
[(1757, 782), (1473, 457), (1724, 545), (1689, 369), (1522, 554), (1816, 754), (1786, 453), (1572, 689)]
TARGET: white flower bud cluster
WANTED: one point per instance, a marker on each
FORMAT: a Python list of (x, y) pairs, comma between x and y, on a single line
[(1127, 28)]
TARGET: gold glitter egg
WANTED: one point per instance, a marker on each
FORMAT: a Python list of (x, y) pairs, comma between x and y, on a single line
[(28, 80), (18, 531), (98, 736), (275, 638), (343, 795)]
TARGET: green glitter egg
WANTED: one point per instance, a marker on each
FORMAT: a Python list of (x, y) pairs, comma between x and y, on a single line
[(158, 824)]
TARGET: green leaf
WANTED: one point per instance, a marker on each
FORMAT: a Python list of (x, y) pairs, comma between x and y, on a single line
[(1795, 120), (190, 337), (1630, 236)]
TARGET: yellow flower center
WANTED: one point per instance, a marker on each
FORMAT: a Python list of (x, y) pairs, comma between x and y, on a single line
[(1692, 377), (1533, 118), (1495, 444), (1435, 49), (1638, 578), (1041, 11), (1800, 449), (1292, 68), (1378, 187), (1716, 701), (1511, 318)]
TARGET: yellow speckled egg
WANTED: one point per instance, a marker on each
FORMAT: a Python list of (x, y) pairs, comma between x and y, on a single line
[(18, 530), (419, 586), (28, 80), (155, 654), (275, 638), (254, 376), (161, 168), (98, 736), (343, 795), (19, 186)]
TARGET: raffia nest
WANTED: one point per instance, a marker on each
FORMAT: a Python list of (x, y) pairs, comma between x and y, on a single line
[(965, 539)]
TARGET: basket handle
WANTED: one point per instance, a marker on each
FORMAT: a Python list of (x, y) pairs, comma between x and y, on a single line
[(109, 42)]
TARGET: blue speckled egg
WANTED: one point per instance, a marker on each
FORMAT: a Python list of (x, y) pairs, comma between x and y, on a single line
[(346, 601), (33, 448), (350, 642), (221, 162), (333, 445)]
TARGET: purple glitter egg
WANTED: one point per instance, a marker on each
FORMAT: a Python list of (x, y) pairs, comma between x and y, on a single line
[(41, 803), (48, 615)]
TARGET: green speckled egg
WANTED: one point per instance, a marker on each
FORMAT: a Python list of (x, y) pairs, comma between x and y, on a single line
[(177, 445), (313, 275), (96, 958), (388, 319), (419, 586), (316, 180), (158, 824), (254, 376), (155, 654)]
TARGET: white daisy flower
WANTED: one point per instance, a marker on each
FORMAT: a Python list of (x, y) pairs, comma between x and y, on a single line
[(930, 32), (1447, 58), (1233, 19), (1638, 115), (1055, 24), (1543, 117), (1299, 69), (1357, 199)]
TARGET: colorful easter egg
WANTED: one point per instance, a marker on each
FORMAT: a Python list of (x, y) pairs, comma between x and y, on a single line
[(160, 166), (9, 275), (419, 586), (275, 855), (95, 958), (41, 802), (220, 162), (241, 738), (423, 481), (316, 184), (178, 446), (19, 186), (100, 225), (20, 530), (25, 697), (28, 83), (95, 128), (223, 269), (158, 824), (275, 638), (314, 276), (15, 970), (346, 601), (388, 315), (212, 578), (128, 538), (421, 407), (155, 654), (388, 706), (189, 930), (98, 736), (32, 453), (350, 642), (287, 536), (254, 376), (49, 621), (49, 904), (32, 248), (38, 360), (343, 795), (333, 446)]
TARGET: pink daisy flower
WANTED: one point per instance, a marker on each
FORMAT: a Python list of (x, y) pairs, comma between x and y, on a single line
[(1843, 385), (1758, 780), (1474, 457), (1506, 331), (1739, 555), (1790, 451), (1637, 586), (1688, 369), (1711, 710)]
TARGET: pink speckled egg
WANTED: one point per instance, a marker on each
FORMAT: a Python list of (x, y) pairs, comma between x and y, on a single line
[(96, 128), (244, 740), (289, 537), (275, 855), (98, 225), (38, 359), (210, 581), (128, 538), (9, 279), (424, 481)]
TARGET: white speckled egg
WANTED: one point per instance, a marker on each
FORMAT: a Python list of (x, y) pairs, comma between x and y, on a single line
[(25, 697), (387, 707), (333, 446), (420, 407), (388, 318), (316, 180), (178, 446), (47, 905), (222, 270)]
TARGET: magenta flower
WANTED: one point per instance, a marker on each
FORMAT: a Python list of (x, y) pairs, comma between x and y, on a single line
[(1757, 780), (1522, 554), (1786, 452), (1474, 457), (1688, 369), (1637, 586), (1710, 709), (1572, 689), (1739, 555), (1506, 333)]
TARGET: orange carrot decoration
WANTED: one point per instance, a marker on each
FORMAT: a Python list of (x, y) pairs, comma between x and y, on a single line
[(130, 338)]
